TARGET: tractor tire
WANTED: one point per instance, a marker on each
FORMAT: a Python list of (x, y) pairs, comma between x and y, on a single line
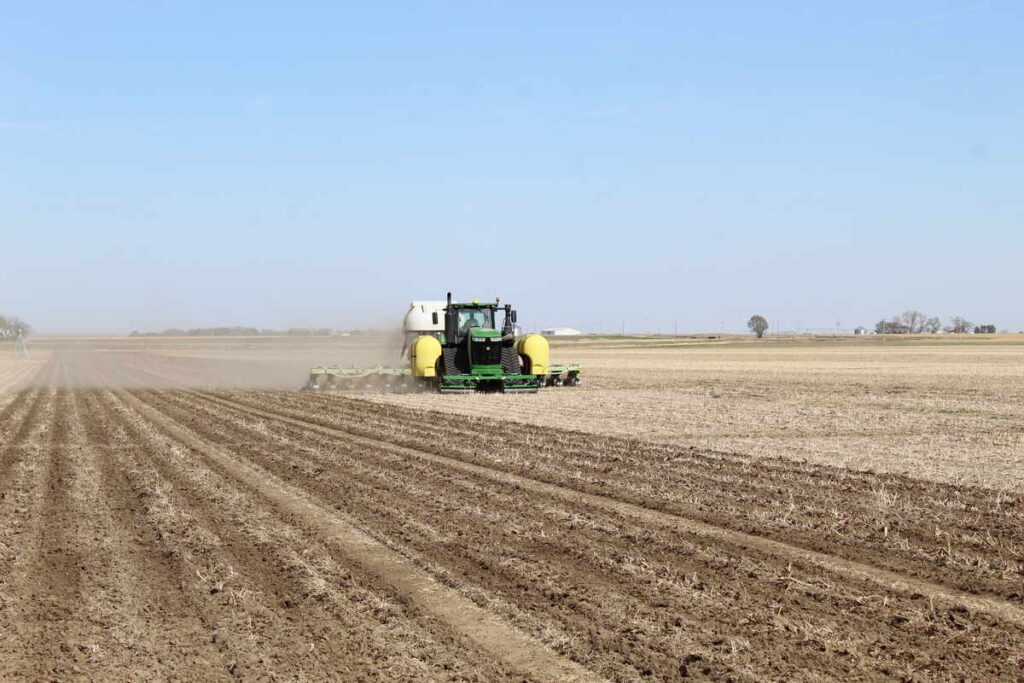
[(510, 363)]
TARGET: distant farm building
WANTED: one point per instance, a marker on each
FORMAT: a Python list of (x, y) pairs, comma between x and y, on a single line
[(560, 332), (861, 330)]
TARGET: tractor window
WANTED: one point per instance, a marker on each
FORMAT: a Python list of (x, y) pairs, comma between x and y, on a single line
[(475, 317)]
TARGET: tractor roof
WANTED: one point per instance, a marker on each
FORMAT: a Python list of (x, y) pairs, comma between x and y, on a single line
[(476, 304)]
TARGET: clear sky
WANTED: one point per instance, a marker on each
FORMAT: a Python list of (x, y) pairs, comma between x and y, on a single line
[(597, 164)]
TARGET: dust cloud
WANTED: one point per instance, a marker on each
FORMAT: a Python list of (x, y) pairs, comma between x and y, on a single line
[(207, 362)]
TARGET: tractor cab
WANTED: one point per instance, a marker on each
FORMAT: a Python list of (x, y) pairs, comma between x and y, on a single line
[(474, 316), (474, 339)]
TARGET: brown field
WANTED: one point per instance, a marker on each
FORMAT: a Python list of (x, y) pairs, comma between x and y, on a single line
[(170, 510), (949, 410)]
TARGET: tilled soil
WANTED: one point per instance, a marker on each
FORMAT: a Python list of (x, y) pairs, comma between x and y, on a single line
[(168, 533)]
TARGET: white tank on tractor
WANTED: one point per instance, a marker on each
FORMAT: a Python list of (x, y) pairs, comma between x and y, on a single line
[(424, 317)]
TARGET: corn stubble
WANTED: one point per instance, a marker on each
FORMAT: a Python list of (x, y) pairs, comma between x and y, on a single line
[(947, 412), (705, 512)]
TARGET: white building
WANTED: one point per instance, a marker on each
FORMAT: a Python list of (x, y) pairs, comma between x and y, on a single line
[(560, 332)]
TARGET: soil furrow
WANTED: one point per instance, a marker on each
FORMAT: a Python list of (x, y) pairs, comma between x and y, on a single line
[(577, 449), (149, 530), (230, 616), (18, 416), (23, 597), (970, 540), (148, 593), (355, 631), (645, 574), (474, 623), (978, 550), (52, 572), (375, 498), (1004, 609), (17, 420), (132, 616)]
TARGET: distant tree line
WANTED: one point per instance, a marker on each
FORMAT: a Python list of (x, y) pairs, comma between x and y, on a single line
[(916, 322), (240, 332), (11, 325)]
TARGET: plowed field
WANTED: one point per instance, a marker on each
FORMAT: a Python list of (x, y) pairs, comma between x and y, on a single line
[(154, 531)]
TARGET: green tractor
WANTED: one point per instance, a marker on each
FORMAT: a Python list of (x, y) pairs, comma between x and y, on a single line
[(459, 348), (472, 354)]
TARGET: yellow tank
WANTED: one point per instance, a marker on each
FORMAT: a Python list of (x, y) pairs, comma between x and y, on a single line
[(423, 356), (536, 352)]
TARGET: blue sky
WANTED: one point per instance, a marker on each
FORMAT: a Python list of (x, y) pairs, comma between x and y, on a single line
[(646, 163)]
